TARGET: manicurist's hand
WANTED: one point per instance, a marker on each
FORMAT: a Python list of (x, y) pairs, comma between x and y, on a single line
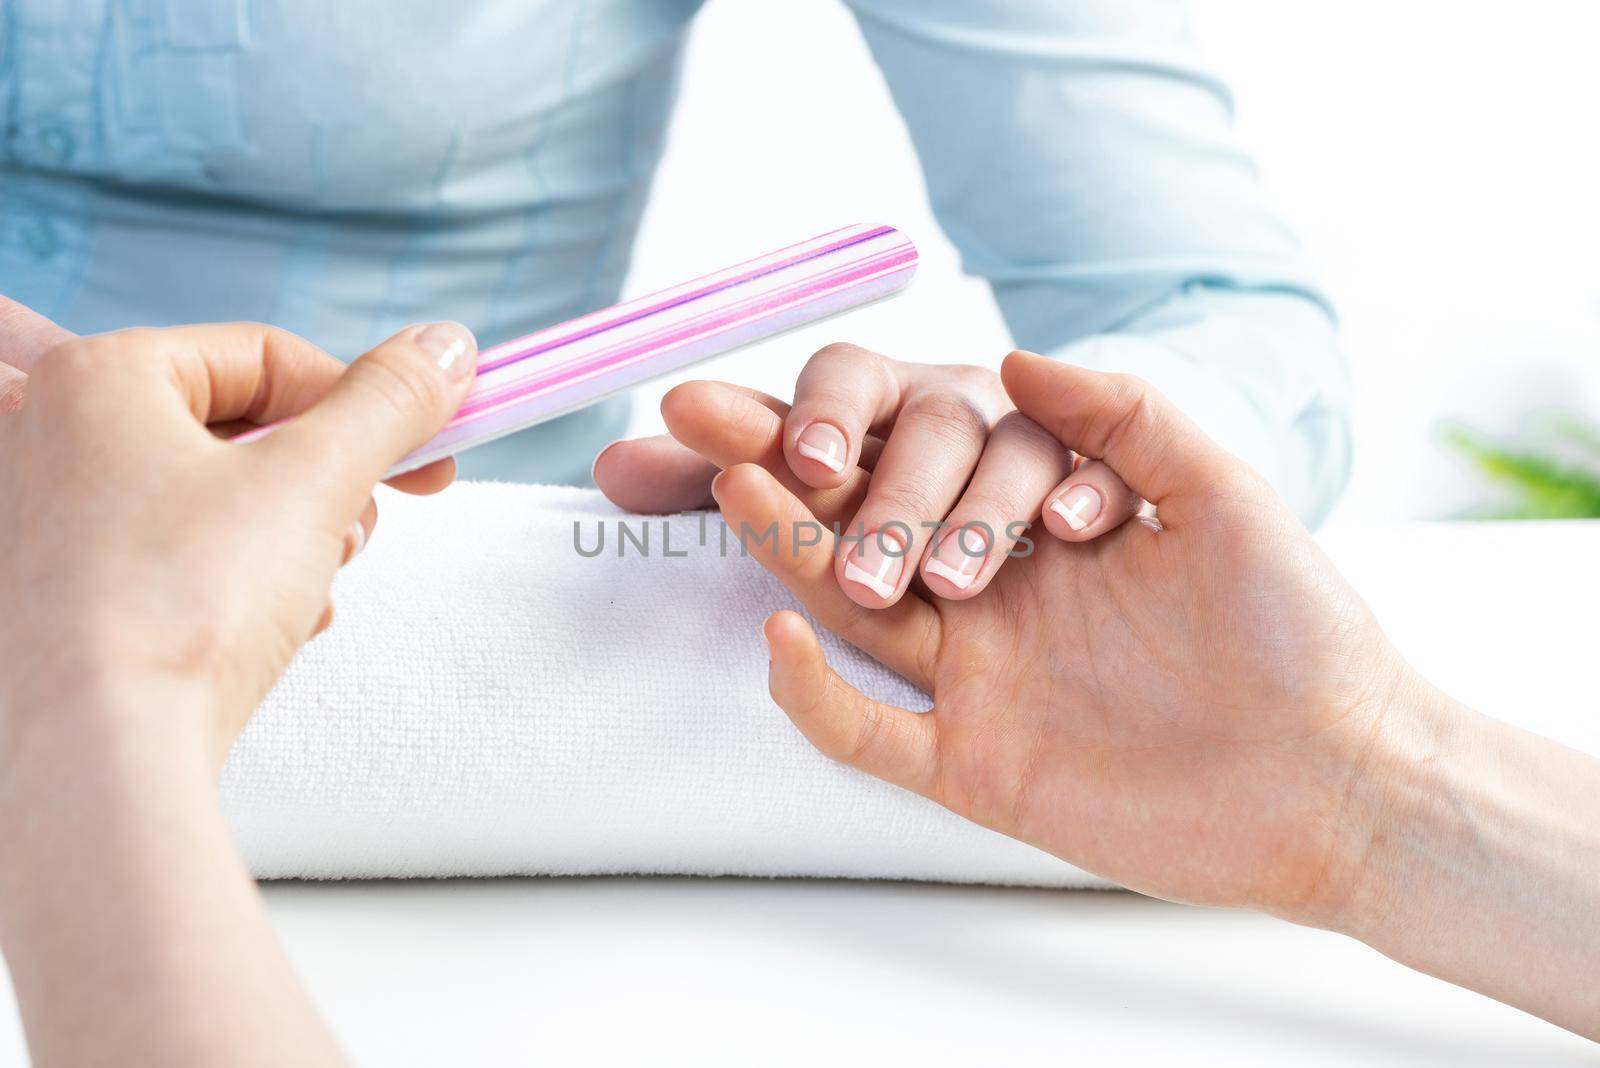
[(957, 472), (1199, 708), (157, 580), (152, 552)]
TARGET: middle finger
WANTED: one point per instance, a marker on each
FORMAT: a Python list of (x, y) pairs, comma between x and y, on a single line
[(926, 463)]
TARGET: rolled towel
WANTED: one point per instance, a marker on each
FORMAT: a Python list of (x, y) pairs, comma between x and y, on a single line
[(490, 701)]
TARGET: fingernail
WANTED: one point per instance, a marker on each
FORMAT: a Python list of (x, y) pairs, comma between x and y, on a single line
[(876, 563), (1078, 506), (960, 557), (450, 345), (824, 443), (355, 539)]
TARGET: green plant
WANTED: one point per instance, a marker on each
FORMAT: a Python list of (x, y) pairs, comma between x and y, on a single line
[(1553, 472)]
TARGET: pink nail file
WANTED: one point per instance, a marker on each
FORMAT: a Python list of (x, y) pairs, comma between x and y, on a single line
[(563, 368)]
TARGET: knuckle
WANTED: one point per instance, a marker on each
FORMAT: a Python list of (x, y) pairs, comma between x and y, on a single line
[(1124, 416), (751, 422), (910, 498), (951, 417), (408, 389), (1028, 435), (869, 730), (69, 362), (1132, 388), (997, 505), (142, 343), (846, 377), (978, 380), (841, 351)]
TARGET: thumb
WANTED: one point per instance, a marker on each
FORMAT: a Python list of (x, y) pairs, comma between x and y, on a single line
[(387, 403), (1161, 455), (895, 744)]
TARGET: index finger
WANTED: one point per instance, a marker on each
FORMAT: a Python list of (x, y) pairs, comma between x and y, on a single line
[(843, 393), (252, 374), (226, 372)]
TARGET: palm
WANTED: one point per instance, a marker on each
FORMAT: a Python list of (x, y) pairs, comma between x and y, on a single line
[(1184, 677)]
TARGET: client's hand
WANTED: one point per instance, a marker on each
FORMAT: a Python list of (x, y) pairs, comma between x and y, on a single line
[(1199, 708), (1185, 708), (958, 474), (154, 558)]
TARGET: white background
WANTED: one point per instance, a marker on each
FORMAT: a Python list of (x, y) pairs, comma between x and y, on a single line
[(1438, 157)]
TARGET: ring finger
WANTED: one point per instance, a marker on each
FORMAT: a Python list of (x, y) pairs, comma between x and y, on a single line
[(1021, 463)]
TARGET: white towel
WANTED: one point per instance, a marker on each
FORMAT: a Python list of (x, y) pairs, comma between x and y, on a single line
[(490, 702)]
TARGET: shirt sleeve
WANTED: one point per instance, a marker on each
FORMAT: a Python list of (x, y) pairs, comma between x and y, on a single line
[(1080, 157)]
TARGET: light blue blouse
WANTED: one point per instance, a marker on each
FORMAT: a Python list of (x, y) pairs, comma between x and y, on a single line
[(322, 166)]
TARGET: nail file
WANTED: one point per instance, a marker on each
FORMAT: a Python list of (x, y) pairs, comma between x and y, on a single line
[(575, 364)]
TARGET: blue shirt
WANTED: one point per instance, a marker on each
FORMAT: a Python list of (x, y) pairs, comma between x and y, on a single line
[(314, 164)]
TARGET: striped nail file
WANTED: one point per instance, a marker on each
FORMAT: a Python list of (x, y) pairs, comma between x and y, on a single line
[(563, 368)]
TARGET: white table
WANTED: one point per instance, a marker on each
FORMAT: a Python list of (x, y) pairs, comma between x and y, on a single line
[(737, 972), (652, 971)]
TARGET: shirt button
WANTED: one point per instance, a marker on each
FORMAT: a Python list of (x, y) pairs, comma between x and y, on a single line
[(57, 143), (41, 238)]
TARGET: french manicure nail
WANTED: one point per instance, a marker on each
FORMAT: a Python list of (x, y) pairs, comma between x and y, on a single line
[(1078, 506), (824, 443), (959, 557), (450, 345), (876, 563)]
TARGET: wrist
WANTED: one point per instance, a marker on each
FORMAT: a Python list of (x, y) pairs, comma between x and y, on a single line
[(68, 752), (1398, 772), (87, 711), (83, 777), (1400, 803), (1482, 860)]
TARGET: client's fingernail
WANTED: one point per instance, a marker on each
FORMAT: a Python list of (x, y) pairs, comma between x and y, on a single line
[(824, 443), (355, 539), (960, 556), (1078, 506), (450, 345), (876, 563)]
